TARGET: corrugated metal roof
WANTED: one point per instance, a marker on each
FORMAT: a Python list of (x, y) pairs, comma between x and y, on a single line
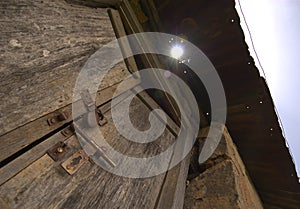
[(214, 26)]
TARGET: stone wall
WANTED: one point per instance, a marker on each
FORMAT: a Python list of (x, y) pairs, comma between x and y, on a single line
[(224, 182)]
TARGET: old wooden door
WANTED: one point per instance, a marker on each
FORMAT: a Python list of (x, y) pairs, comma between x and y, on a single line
[(45, 44)]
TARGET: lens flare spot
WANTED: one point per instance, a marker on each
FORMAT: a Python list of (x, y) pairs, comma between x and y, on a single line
[(177, 51)]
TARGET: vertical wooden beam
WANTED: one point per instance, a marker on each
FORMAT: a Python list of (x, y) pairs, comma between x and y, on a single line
[(173, 189), (120, 32), (150, 60), (152, 13), (133, 25)]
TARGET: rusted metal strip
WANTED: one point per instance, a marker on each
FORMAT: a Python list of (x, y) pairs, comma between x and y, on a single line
[(59, 117), (72, 164), (58, 151)]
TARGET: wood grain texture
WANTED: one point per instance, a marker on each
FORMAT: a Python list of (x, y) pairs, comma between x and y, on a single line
[(96, 3), (44, 184), (120, 32), (44, 44), (133, 25), (21, 137), (173, 189), (3, 205), (21, 162), (17, 165)]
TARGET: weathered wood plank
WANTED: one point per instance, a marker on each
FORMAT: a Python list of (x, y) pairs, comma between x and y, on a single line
[(14, 167), (151, 11), (119, 29), (96, 3), (21, 137), (3, 205), (173, 189), (133, 26), (20, 163), (45, 184), (149, 101), (44, 44), (152, 61)]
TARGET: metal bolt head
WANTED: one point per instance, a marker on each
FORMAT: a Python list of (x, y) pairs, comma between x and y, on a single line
[(60, 149)]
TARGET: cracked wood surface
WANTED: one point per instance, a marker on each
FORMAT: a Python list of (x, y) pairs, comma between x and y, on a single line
[(44, 45), (44, 184)]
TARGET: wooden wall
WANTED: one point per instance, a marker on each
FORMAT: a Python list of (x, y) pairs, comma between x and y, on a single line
[(44, 45)]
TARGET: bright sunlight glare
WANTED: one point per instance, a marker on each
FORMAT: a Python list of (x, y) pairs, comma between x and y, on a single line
[(176, 51)]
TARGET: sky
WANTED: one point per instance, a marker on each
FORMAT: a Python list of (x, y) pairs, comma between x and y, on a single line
[(275, 31)]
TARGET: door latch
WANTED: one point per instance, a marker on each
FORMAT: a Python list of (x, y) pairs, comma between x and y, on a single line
[(89, 142), (92, 111)]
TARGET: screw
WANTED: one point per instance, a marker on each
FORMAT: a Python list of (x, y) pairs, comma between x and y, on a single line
[(60, 149)]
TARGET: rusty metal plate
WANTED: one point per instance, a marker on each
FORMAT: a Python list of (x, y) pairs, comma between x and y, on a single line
[(58, 151), (68, 131), (59, 117), (102, 122), (72, 164)]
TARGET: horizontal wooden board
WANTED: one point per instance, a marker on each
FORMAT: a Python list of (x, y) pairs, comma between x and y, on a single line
[(95, 3), (21, 162), (17, 165), (23, 136), (44, 184)]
